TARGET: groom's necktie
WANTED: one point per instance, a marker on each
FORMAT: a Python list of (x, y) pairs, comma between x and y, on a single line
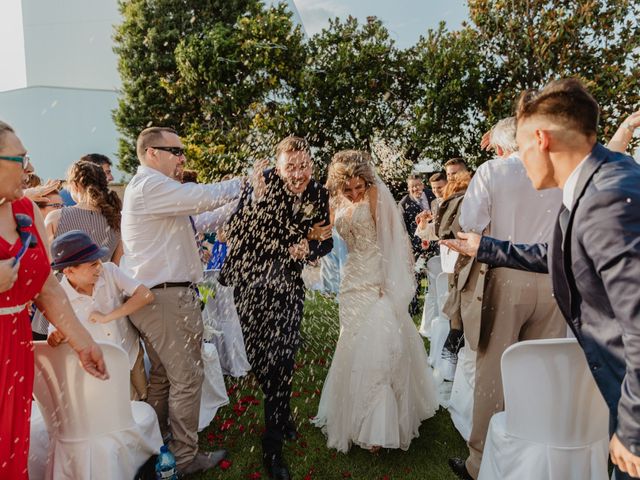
[(297, 203)]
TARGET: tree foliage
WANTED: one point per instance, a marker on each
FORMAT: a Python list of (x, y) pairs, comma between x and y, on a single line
[(449, 96), (527, 44), (234, 76), (212, 69)]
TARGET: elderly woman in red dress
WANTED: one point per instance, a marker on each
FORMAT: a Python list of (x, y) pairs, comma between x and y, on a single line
[(25, 276)]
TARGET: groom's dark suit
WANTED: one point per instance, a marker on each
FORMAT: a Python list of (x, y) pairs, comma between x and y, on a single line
[(594, 262), (269, 291)]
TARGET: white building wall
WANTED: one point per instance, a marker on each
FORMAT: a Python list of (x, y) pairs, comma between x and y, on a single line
[(59, 125), (58, 88), (13, 74), (69, 44)]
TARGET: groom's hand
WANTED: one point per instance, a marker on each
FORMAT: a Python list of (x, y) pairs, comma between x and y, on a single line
[(257, 178), (320, 231), (300, 250)]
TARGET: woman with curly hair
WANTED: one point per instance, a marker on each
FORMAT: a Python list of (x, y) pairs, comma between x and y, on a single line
[(379, 387), (97, 210)]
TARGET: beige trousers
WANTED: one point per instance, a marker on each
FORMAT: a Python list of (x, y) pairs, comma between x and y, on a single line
[(171, 327), (517, 306), (139, 382)]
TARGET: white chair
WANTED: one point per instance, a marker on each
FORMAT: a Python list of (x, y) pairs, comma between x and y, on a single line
[(555, 423), (461, 402), (95, 431), (38, 445), (222, 327), (440, 325), (431, 308), (214, 392)]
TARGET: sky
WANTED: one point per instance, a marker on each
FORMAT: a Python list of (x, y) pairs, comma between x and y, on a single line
[(406, 20)]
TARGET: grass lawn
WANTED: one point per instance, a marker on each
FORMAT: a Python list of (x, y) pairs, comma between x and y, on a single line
[(238, 426)]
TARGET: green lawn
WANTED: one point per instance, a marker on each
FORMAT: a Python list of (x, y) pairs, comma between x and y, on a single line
[(238, 427)]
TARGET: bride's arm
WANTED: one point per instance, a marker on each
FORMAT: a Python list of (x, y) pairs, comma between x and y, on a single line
[(373, 201)]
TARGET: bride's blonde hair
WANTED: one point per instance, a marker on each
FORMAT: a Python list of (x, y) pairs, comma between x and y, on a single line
[(348, 164)]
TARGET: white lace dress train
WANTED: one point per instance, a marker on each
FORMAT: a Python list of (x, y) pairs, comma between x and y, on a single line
[(379, 387)]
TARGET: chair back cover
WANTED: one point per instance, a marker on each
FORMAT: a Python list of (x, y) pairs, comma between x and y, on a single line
[(442, 287), (73, 402), (550, 395)]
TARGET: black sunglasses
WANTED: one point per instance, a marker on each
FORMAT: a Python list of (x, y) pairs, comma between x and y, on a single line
[(177, 151), (28, 240)]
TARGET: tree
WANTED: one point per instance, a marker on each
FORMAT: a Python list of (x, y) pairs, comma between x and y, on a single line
[(354, 89), (212, 69), (528, 43), (447, 112)]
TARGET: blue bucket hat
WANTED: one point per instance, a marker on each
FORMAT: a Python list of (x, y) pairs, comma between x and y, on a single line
[(73, 248)]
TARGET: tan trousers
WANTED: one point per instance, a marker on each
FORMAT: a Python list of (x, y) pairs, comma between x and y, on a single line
[(139, 382), (171, 327), (517, 306)]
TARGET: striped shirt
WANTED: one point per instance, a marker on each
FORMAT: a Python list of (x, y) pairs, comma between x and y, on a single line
[(91, 222)]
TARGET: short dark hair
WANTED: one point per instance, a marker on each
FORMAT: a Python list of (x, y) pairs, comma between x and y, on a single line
[(567, 101), (96, 158), (456, 161), (189, 176), (438, 177), (149, 136), (292, 144), (414, 176)]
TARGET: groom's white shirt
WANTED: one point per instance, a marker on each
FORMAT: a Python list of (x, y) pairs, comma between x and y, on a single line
[(157, 235)]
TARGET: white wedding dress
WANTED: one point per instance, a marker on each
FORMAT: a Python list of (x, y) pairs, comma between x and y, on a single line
[(379, 387)]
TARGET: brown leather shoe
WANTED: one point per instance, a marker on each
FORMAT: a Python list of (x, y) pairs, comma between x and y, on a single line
[(203, 461)]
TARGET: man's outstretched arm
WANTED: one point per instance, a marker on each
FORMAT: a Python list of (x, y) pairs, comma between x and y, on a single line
[(501, 253)]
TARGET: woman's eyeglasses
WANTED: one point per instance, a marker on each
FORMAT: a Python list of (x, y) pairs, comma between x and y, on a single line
[(28, 239), (23, 159)]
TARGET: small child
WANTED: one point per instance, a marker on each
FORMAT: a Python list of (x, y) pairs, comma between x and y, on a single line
[(97, 292)]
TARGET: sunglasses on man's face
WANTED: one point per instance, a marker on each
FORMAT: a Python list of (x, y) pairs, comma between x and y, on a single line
[(23, 159), (177, 151), (28, 240)]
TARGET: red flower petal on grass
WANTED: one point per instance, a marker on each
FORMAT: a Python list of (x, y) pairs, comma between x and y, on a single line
[(224, 464), (254, 475), (250, 400), (346, 474), (226, 425), (295, 394)]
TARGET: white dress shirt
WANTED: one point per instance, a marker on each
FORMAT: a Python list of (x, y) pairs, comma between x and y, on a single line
[(569, 189), (108, 294), (501, 202), (157, 236), (209, 222)]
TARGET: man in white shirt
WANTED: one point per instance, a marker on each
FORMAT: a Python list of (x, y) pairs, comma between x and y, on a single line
[(516, 305), (160, 251)]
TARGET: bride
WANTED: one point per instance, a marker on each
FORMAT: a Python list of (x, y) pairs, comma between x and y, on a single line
[(379, 388)]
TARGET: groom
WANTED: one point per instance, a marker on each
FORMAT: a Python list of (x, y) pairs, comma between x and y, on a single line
[(268, 248)]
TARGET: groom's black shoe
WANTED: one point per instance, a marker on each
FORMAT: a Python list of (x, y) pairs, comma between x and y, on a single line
[(458, 467), (290, 434), (275, 467)]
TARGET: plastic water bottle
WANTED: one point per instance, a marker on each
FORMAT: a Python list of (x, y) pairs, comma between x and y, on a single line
[(166, 465)]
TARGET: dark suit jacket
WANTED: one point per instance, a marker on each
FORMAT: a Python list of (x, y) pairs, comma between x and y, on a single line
[(411, 208), (594, 260), (260, 234)]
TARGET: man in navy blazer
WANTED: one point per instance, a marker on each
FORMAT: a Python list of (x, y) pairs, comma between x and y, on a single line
[(269, 243), (594, 258)]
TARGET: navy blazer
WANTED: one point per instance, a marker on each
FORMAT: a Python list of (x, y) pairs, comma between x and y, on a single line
[(411, 208), (594, 261), (260, 233)]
